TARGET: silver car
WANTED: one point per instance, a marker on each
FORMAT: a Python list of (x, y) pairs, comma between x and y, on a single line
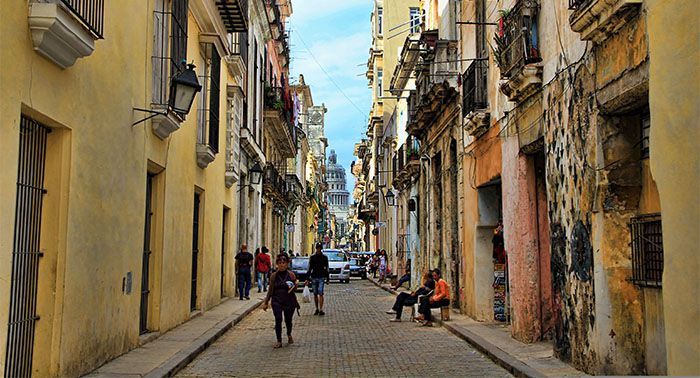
[(338, 265)]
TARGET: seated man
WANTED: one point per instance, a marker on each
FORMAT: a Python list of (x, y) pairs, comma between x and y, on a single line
[(440, 298), (409, 299), (405, 278)]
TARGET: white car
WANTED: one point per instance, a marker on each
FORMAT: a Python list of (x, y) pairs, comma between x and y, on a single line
[(338, 265)]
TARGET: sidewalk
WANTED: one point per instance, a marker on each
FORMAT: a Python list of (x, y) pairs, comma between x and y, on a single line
[(494, 340), (172, 351)]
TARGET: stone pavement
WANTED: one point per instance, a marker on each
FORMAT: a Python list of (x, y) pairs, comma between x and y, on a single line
[(171, 351), (353, 339), (494, 340)]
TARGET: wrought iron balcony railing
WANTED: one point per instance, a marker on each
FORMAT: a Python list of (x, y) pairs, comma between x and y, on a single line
[(234, 13), (273, 180), (90, 13), (475, 93), (576, 4), (516, 38)]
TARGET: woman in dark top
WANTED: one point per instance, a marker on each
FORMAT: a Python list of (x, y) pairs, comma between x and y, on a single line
[(282, 285)]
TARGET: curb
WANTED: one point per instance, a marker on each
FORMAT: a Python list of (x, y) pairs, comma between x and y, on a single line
[(177, 362), (497, 355)]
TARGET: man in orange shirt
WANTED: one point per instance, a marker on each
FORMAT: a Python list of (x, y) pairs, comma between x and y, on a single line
[(440, 298)]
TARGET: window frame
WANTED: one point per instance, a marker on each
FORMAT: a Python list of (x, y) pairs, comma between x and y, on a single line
[(646, 233)]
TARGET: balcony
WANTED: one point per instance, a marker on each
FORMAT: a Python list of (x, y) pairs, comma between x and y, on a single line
[(278, 116), (274, 16), (65, 30), (274, 185), (295, 192), (237, 61), (407, 163), (436, 84), (517, 52), (596, 20), (475, 98), (234, 14)]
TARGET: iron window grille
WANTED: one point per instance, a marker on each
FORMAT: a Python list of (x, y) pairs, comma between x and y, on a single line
[(170, 46), (26, 255), (208, 129), (475, 95), (90, 13), (647, 250)]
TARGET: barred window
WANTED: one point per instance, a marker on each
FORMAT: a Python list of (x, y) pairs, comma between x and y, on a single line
[(169, 45), (178, 47), (647, 250), (208, 122)]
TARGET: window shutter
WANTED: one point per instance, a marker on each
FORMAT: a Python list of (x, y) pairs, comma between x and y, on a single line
[(214, 93)]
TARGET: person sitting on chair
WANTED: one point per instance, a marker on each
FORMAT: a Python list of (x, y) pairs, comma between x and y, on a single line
[(409, 299), (440, 298)]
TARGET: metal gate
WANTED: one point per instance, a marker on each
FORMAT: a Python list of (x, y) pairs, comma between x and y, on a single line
[(146, 262), (195, 252), (25, 252)]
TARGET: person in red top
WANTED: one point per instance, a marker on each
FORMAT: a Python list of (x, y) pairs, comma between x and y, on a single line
[(440, 298), (262, 268)]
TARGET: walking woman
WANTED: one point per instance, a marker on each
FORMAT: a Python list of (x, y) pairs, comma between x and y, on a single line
[(282, 285)]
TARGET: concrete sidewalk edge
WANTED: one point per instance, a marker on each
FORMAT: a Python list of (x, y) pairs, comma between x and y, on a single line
[(497, 355), (178, 361)]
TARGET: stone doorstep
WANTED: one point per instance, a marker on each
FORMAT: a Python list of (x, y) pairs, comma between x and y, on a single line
[(183, 349), (516, 365)]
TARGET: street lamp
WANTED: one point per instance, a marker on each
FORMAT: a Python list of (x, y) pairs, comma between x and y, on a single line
[(183, 87), (390, 198), (255, 173)]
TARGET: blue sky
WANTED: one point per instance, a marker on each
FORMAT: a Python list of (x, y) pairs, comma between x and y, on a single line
[(337, 34)]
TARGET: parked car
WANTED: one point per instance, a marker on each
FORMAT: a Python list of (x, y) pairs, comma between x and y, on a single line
[(300, 266), (357, 268), (338, 265)]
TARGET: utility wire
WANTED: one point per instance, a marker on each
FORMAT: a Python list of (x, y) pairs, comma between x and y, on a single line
[(326, 73)]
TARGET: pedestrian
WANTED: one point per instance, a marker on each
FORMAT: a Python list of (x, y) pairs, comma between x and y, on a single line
[(282, 285), (318, 273), (440, 298), (263, 265), (382, 266), (244, 262)]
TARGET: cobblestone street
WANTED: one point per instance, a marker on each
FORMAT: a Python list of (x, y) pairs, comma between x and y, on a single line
[(353, 339)]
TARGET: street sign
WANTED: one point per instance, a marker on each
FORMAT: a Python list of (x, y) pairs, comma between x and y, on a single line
[(380, 224), (289, 228)]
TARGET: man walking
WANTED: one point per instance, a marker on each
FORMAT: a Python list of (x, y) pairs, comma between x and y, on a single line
[(318, 273), (263, 264), (244, 262)]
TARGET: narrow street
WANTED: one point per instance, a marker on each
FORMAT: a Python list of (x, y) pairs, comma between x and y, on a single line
[(353, 339)]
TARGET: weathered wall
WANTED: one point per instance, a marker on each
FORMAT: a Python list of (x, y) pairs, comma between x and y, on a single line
[(94, 221), (674, 81), (594, 181)]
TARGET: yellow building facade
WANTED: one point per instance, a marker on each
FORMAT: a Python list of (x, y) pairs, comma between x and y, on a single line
[(134, 233)]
